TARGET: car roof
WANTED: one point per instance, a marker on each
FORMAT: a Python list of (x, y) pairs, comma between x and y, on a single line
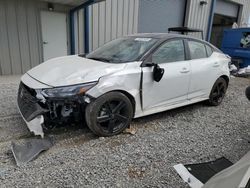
[(161, 35), (166, 36)]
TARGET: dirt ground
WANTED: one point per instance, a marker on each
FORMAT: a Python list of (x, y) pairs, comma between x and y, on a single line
[(195, 133)]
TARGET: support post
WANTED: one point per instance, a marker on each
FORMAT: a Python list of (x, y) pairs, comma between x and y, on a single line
[(210, 21)]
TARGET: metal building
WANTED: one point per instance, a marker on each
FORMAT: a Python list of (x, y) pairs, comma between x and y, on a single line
[(21, 41), (32, 31)]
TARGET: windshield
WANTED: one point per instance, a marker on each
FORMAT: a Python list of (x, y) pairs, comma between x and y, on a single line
[(122, 50)]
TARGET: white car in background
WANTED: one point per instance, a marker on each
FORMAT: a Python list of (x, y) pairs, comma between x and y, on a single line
[(127, 78)]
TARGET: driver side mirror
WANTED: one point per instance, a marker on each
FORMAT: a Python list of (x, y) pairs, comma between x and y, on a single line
[(158, 72)]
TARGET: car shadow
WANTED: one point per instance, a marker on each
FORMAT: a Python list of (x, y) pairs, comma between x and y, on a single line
[(83, 128), (170, 113)]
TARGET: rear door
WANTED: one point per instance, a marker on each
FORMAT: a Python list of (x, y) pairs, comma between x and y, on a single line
[(204, 68), (173, 87)]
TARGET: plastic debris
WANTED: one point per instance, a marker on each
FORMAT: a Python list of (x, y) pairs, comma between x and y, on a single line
[(30, 149), (187, 177), (244, 71), (130, 130), (196, 175), (233, 68)]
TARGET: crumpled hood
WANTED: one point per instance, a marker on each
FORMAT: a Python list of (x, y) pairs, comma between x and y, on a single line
[(70, 70)]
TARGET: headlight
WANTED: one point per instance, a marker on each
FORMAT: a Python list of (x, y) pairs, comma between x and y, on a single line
[(68, 91)]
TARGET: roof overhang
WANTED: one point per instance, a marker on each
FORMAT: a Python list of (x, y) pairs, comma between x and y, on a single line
[(73, 3), (185, 30)]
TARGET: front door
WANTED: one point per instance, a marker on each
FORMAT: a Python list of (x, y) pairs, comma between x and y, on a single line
[(173, 87), (54, 34)]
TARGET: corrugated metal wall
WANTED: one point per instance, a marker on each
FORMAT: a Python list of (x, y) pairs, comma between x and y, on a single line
[(20, 35), (159, 15), (112, 19), (108, 20), (245, 12), (19, 39), (79, 31), (198, 16), (20, 29)]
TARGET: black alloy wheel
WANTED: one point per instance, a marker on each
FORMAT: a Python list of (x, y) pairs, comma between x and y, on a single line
[(109, 114), (218, 92)]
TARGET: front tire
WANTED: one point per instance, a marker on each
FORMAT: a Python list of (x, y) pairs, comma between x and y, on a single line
[(110, 114), (218, 92)]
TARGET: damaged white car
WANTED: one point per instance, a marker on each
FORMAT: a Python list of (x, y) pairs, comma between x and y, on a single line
[(127, 78)]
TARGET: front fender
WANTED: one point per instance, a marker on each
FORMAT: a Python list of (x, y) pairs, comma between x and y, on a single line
[(127, 80)]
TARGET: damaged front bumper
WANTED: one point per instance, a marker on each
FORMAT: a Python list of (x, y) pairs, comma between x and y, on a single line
[(35, 125), (39, 113), (30, 110)]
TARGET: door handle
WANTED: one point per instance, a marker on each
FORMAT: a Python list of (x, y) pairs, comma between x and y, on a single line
[(216, 64), (44, 42), (184, 70)]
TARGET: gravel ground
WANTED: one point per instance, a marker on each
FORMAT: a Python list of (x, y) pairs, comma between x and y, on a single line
[(196, 133)]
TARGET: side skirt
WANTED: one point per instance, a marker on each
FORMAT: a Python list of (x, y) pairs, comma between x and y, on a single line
[(170, 107)]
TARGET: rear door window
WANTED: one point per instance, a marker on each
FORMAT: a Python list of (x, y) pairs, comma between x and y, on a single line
[(197, 50), (209, 50)]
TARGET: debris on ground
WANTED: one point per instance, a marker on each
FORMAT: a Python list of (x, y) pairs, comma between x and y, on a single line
[(240, 72), (198, 174), (187, 177), (130, 130), (30, 149)]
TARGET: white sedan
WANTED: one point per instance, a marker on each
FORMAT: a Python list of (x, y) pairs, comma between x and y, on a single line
[(129, 77)]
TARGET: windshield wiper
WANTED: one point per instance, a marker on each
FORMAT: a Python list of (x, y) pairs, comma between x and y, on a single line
[(100, 59)]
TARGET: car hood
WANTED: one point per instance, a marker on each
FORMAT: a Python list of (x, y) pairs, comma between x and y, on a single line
[(70, 70)]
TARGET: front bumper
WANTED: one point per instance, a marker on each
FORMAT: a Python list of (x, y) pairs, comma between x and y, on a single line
[(28, 103), (30, 110), (35, 125), (49, 112)]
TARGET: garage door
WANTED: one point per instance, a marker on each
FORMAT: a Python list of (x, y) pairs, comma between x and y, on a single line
[(227, 8), (159, 15)]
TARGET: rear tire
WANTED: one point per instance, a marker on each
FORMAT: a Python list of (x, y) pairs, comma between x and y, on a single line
[(109, 114), (218, 92), (248, 93)]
